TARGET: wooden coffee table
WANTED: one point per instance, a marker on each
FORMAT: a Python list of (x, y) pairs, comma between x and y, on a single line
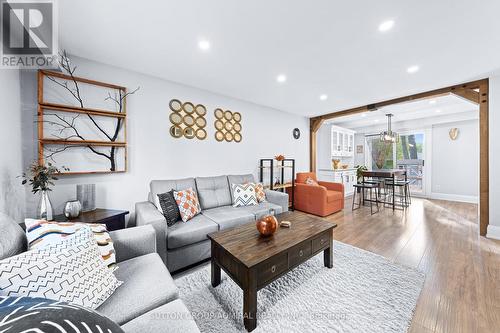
[(253, 261)]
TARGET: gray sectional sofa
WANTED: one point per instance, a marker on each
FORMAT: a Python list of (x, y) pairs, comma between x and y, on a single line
[(186, 243), (147, 301)]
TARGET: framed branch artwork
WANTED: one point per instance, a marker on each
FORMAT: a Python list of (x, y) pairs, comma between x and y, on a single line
[(82, 123)]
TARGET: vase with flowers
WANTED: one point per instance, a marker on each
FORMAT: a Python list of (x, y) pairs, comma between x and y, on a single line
[(41, 178)]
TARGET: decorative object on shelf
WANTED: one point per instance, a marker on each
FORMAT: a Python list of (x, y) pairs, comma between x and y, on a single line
[(454, 133), (267, 225), (389, 136), (335, 163), (279, 184), (359, 149), (85, 193), (70, 125), (279, 158), (227, 125), (359, 172), (296, 133), (72, 209), (41, 178), (187, 120)]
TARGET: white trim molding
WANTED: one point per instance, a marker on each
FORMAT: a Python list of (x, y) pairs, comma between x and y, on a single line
[(493, 231), (455, 197)]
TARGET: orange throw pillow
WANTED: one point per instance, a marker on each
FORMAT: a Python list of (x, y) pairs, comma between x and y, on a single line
[(188, 203)]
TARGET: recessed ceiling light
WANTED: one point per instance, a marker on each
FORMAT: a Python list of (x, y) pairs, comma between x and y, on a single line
[(323, 97), (281, 78), (413, 69), (438, 111), (432, 101), (386, 25), (204, 45)]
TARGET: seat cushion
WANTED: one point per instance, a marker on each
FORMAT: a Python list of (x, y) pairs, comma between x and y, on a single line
[(147, 284), (228, 217), (171, 317), (191, 232), (262, 209), (213, 191), (333, 196)]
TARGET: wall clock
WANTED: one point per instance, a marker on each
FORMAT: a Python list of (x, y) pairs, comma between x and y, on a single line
[(296, 133)]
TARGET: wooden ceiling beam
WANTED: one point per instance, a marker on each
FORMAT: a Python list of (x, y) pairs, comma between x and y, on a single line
[(467, 94)]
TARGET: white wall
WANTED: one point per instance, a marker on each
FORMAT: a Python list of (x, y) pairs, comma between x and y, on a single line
[(11, 191), (455, 163), (154, 154), (494, 155)]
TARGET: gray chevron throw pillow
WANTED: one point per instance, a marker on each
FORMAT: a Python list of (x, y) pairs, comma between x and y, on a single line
[(71, 270)]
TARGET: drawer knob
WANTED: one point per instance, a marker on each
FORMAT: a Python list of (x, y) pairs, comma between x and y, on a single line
[(301, 253), (273, 268)]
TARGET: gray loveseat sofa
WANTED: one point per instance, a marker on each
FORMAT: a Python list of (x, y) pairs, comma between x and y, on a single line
[(186, 243), (147, 301)]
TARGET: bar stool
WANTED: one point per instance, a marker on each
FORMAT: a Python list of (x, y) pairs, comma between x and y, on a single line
[(363, 187), (404, 191)]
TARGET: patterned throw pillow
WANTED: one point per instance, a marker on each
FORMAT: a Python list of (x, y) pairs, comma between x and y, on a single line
[(188, 203), (310, 181), (42, 233), (26, 314), (70, 271), (244, 195), (169, 207), (259, 192)]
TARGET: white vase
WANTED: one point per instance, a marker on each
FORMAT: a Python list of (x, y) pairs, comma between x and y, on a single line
[(44, 208)]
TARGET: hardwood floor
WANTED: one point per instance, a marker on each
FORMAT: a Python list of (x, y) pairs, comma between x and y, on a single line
[(441, 238)]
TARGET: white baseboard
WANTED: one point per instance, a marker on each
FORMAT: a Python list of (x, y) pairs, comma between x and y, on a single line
[(493, 232), (455, 197)]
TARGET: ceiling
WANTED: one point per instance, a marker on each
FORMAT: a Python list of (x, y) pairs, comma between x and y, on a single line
[(422, 109), (322, 46)]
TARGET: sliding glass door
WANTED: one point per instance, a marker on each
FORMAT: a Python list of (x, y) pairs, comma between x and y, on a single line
[(410, 152), (407, 154)]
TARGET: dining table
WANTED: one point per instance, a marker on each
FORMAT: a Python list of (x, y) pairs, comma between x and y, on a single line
[(392, 174)]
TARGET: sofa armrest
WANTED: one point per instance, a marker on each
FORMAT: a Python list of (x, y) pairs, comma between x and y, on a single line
[(277, 198), (133, 242), (338, 187), (147, 214)]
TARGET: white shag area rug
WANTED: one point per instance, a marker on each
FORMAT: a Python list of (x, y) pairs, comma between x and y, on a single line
[(363, 292)]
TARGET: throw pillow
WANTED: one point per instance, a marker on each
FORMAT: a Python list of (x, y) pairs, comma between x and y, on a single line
[(26, 314), (188, 203), (310, 181), (41, 233), (169, 207), (244, 195), (70, 271), (259, 192)]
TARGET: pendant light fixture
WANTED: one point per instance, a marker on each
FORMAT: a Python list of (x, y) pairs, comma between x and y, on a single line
[(389, 136)]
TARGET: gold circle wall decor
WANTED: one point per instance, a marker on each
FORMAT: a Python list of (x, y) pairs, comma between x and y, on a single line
[(188, 120), (227, 125)]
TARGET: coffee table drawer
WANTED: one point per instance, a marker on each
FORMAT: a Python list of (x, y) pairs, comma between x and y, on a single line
[(321, 242), (271, 268), (299, 253)]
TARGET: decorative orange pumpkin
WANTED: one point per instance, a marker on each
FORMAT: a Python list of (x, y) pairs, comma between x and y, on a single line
[(267, 225)]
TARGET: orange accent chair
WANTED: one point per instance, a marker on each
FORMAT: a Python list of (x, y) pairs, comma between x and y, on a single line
[(322, 200)]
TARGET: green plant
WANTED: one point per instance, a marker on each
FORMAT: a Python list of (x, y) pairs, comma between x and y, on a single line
[(359, 172), (41, 177)]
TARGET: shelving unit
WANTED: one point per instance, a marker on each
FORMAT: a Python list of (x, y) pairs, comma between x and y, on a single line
[(272, 165)]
